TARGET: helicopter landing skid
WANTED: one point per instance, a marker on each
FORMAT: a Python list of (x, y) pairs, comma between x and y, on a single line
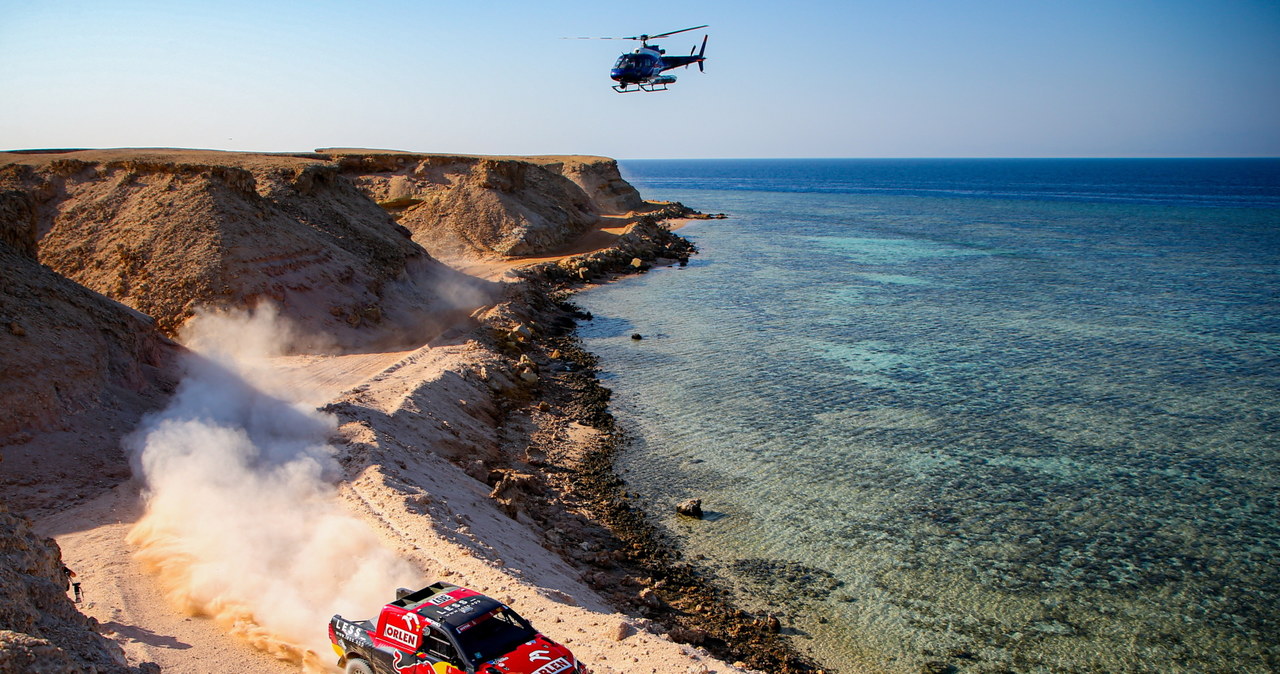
[(627, 89)]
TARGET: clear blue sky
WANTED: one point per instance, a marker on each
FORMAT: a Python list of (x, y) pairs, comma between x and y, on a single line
[(847, 78)]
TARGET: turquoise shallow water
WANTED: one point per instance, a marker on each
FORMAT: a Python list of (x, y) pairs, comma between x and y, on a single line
[(1010, 418)]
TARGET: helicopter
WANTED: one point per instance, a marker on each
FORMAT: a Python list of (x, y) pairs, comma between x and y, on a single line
[(642, 69)]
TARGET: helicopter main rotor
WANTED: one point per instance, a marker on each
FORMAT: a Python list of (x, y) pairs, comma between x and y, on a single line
[(644, 39)]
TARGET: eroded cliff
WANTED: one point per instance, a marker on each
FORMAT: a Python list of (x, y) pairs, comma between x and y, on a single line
[(341, 240), (79, 371), (168, 232), (467, 206)]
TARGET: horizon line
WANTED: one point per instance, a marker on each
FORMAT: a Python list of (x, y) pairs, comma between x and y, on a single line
[(56, 150), (948, 158)]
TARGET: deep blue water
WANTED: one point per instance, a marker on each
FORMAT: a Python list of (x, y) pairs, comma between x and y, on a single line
[(1005, 414), (1182, 182)]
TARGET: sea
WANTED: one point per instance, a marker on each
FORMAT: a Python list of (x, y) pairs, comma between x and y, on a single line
[(968, 415)]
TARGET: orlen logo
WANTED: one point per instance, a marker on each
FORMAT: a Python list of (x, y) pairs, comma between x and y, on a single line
[(408, 637), (557, 665), (403, 636)]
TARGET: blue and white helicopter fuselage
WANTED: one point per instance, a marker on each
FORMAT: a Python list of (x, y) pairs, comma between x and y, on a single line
[(642, 69)]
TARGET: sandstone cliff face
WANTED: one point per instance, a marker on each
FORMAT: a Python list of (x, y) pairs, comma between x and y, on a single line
[(469, 206), (40, 629), (79, 371), (600, 179), (166, 234), (458, 206)]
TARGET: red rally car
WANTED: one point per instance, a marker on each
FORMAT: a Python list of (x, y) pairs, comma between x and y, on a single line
[(446, 629)]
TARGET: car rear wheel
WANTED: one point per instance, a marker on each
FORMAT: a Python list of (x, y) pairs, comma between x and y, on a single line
[(358, 666)]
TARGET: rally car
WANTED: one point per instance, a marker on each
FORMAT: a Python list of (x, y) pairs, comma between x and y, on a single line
[(447, 629)]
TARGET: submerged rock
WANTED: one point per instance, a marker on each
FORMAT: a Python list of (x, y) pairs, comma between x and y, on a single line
[(690, 507)]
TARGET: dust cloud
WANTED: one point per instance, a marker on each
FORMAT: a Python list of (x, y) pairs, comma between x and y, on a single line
[(242, 522)]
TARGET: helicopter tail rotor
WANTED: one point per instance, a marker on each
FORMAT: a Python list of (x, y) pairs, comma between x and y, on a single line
[(700, 53)]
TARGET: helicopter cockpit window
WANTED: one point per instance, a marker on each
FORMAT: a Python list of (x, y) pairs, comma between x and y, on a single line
[(628, 61)]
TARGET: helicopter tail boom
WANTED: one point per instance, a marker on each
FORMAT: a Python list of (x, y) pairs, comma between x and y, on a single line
[(695, 56)]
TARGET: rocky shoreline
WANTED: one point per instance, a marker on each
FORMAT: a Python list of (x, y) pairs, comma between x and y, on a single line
[(626, 558)]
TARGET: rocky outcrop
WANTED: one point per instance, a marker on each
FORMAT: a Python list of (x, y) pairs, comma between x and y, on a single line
[(466, 206), (166, 232), (18, 222), (40, 629), (647, 240), (600, 179)]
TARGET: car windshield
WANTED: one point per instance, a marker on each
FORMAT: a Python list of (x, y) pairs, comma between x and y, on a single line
[(494, 635)]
